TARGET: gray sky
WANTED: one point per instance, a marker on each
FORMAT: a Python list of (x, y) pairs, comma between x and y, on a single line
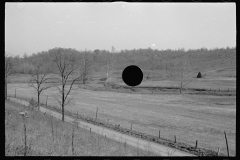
[(36, 27)]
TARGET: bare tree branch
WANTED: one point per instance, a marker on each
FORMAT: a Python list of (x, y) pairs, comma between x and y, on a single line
[(71, 86), (66, 66), (31, 84), (183, 74), (60, 102), (69, 100), (44, 88), (70, 72), (8, 66), (85, 69), (59, 89), (46, 79), (8, 70), (39, 80)]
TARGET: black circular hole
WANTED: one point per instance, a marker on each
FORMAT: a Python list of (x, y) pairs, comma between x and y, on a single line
[(132, 75)]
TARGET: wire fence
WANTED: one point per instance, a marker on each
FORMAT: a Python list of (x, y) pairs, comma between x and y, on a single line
[(175, 143)]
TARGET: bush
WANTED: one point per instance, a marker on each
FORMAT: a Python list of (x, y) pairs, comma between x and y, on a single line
[(103, 79), (199, 75)]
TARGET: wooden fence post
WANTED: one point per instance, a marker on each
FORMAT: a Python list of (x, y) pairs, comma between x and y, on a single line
[(72, 140), (90, 130), (77, 114), (15, 93), (46, 100), (25, 139), (175, 139), (218, 151), (226, 142), (131, 126), (96, 114), (159, 134), (196, 144)]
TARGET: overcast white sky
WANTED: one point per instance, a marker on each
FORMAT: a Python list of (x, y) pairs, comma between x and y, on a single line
[(36, 27)]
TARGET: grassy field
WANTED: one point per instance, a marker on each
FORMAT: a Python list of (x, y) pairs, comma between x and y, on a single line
[(215, 84), (47, 136), (189, 117)]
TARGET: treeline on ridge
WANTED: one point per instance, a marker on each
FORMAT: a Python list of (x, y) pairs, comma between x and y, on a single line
[(148, 59)]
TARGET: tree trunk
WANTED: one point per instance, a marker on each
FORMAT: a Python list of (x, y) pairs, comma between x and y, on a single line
[(181, 88), (5, 88), (63, 106), (107, 75), (84, 71), (181, 83), (107, 72), (84, 80), (63, 112), (38, 99)]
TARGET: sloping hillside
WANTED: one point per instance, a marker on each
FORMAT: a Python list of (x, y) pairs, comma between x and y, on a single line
[(155, 64), (216, 63)]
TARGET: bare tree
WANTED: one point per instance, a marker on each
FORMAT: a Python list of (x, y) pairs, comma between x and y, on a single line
[(66, 65), (85, 69), (8, 70), (39, 77), (152, 63), (113, 49), (184, 74), (109, 64), (172, 68), (109, 67), (166, 68)]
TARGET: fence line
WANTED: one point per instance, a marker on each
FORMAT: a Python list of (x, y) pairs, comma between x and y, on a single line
[(131, 132)]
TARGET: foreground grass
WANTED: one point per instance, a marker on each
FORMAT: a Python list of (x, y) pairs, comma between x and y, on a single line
[(47, 136)]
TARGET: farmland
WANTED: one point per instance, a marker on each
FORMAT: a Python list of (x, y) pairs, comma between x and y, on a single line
[(47, 136), (72, 67), (189, 117), (205, 109)]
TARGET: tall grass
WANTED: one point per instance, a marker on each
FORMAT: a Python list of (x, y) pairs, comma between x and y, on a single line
[(47, 136)]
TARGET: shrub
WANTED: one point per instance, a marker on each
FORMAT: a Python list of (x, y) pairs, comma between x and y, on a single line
[(199, 75), (103, 79)]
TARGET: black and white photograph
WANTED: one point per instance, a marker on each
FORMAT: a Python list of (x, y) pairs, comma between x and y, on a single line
[(120, 79)]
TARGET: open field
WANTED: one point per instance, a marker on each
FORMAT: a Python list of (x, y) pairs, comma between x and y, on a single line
[(41, 141), (214, 83), (189, 117), (144, 144), (197, 83)]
